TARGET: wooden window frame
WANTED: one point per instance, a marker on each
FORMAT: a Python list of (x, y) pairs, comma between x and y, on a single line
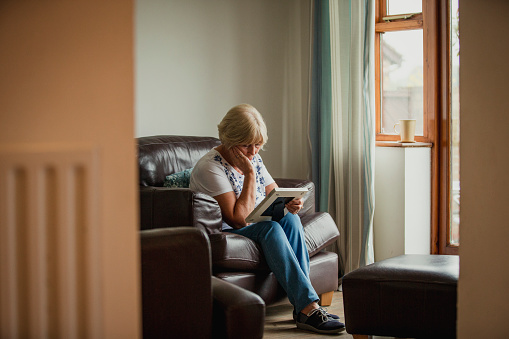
[(415, 22), (444, 145), (434, 21)]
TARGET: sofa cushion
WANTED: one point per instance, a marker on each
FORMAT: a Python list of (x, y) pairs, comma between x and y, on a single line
[(162, 207), (323, 274), (159, 156), (179, 179), (231, 251), (320, 230)]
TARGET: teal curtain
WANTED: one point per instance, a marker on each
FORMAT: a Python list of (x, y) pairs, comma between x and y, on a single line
[(321, 100), (342, 130)]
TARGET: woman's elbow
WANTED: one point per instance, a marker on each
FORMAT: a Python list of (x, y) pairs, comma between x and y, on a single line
[(238, 223)]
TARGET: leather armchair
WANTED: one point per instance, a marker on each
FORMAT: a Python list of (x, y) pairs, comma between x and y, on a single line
[(235, 258), (181, 298)]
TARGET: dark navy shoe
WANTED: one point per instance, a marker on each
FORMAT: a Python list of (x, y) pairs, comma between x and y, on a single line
[(333, 316), (318, 321)]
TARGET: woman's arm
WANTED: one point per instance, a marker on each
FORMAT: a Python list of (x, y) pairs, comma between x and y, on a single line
[(270, 187), (235, 211)]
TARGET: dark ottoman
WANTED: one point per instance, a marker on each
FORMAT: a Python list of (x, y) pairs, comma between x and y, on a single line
[(411, 296)]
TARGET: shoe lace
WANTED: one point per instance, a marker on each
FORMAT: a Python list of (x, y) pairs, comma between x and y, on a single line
[(322, 313), (324, 309)]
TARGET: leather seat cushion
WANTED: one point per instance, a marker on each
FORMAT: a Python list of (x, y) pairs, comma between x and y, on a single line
[(231, 251), (323, 275), (409, 296)]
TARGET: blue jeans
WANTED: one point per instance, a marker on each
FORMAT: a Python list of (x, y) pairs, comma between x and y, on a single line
[(285, 250)]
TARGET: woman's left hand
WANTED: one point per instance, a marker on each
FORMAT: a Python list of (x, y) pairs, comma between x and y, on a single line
[(295, 205)]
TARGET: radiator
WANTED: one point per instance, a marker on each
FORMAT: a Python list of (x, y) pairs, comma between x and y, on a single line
[(49, 242)]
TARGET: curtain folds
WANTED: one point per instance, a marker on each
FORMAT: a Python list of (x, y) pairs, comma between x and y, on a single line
[(320, 131), (342, 128)]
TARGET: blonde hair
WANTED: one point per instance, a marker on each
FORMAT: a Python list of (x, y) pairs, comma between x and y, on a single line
[(242, 125)]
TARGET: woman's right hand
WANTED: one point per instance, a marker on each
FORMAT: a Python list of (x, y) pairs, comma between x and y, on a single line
[(240, 160)]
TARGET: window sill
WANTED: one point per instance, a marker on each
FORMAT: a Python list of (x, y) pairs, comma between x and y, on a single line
[(403, 144)]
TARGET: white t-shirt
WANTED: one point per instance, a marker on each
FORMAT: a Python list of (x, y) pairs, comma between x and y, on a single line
[(214, 176)]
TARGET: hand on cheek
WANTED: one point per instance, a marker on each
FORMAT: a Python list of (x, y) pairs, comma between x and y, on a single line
[(240, 160)]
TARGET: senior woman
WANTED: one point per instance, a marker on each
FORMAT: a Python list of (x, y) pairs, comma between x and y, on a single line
[(234, 174)]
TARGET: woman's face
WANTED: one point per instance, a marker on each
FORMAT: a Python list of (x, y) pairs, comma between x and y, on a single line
[(250, 150)]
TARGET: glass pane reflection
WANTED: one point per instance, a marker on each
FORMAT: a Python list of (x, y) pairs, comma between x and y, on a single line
[(395, 7), (402, 79), (454, 130)]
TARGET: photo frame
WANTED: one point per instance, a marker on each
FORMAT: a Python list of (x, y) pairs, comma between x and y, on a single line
[(273, 206)]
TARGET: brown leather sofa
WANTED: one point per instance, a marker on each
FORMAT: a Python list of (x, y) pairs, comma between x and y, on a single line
[(181, 298), (235, 258)]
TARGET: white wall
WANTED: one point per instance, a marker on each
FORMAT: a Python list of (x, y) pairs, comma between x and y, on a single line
[(403, 201), (484, 232), (195, 59)]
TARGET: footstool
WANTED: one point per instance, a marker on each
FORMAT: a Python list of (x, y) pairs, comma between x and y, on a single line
[(410, 296)]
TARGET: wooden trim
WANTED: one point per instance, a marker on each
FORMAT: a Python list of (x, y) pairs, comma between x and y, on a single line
[(407, 24), (380, 8), (379, 12), (432, 92), (396, 137), (443, 194), (443, 197), (405, 145), (378, 86)]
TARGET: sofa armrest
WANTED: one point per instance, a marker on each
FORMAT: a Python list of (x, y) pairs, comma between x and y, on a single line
[(162, 207), (320, 231), (238, 313), (309, 198), (175, 275)]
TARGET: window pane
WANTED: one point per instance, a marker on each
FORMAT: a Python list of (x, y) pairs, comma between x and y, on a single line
[(395, 7), (402, 79), (454, 130)]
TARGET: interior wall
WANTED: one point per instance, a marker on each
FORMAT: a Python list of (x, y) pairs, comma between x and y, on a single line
[(195, 59), (66, 80), (484, 232)]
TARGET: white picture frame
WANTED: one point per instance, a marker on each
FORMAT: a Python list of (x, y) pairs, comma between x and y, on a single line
[(263, 211)]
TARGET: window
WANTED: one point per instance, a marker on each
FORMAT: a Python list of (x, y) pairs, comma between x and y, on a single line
[(449, 190), (400, 67), (416, 69), (402, 79)]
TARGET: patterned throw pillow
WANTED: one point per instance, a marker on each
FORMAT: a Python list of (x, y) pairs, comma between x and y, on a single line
[(179, 179)]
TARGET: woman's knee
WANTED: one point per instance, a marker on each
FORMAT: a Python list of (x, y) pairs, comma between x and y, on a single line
[(272, 229), (291, 221)]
